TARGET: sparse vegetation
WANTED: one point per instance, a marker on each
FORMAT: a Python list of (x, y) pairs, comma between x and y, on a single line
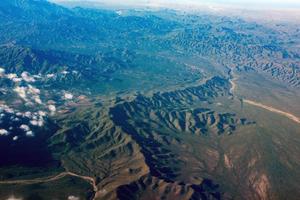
[(145, 105)]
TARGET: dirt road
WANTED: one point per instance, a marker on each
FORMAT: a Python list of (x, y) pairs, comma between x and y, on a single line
[(275, 110), (53, 178), (254, 103)]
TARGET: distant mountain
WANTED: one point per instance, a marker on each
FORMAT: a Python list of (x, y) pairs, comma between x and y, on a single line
[(233, 44), (67, 69), (42, 62), (139, 104), (43, 25)]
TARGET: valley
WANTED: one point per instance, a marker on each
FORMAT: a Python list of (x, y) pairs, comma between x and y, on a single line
[(129, 104)]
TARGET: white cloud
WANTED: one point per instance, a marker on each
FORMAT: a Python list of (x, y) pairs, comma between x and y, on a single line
[(37, 99), (50, 75), (11, 76), (33, 90), (119, 12), (64, 72), (9, 110), (42, 113), (3, 132), (15, 138), (14, 198), (28, 114), (34, 122), (52, 108), (25, 127), (16, 80), (37, 76), (30, 91), (2, 71), (26, 77), (19, 114), (15, 119), (73, 198), (6, 108), (29, 134), (34, 117), (21, 91), (68, 95), (39, 122)]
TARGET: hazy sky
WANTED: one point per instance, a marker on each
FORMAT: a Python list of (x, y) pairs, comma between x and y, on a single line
[(241, 3)]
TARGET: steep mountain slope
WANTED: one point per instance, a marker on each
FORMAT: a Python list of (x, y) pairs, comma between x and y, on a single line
[(115, 143), (139, 104), (168, 145)]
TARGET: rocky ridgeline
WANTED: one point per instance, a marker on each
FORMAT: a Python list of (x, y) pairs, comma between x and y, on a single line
[(149, 187), (235, 48), (137, 138), (158, 128)]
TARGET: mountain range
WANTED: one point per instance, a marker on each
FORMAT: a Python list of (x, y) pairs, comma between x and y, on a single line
[(146, 104)]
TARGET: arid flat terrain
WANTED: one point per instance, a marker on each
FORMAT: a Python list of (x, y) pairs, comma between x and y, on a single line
[(108, 102)]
